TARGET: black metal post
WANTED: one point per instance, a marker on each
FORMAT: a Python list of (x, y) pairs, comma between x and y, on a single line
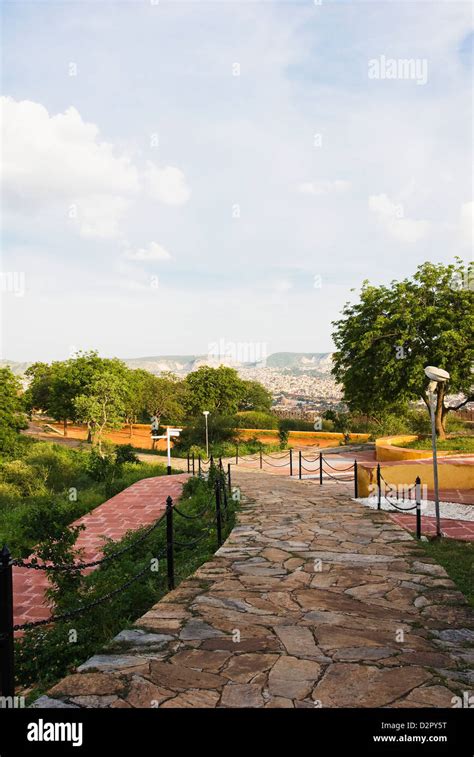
[(224, 494), (169, 543), (218, 515), (418, 507), (193, 465), (299, 464), (211, 462), (188, 463), (291, 462), (261, 459), (356, 483), (228, 478), (320, 468), (7, 677), (199, 465), (168, 470), (379, 487)]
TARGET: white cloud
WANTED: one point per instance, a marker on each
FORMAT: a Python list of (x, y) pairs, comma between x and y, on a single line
[(59, 162), (167, 185), (99, 216), (151, 252), (324, 187), (391, 216)]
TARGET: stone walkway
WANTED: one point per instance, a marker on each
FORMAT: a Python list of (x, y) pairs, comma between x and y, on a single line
[(137, 506), (313, 601)]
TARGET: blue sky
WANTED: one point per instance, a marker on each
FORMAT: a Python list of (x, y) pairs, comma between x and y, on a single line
[(156, 202)]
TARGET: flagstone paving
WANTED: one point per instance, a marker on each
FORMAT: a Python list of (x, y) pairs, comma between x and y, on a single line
[(313, 601)]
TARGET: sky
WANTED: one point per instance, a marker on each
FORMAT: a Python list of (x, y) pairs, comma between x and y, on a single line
[(177, 174)]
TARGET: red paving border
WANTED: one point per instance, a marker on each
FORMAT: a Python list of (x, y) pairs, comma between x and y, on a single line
[(451, 529), (138, 505)]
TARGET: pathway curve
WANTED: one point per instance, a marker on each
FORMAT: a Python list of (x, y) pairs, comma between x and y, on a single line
[(138, 505), (313, 600)]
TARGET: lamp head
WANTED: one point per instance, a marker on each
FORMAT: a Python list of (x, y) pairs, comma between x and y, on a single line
[(436, 374), (205, 412)]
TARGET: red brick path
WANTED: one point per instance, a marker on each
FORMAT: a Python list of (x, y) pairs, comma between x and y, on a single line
[(137, 506), (452, 529)]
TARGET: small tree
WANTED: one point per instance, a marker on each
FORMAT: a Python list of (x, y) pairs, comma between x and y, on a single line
[(103, 408)]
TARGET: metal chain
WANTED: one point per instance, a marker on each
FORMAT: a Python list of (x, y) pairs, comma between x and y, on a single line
[(82, 566), (73, 613)]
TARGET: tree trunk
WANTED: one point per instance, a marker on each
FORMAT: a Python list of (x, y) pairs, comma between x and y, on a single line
[(440, 413), (131, 430), (65, 426)]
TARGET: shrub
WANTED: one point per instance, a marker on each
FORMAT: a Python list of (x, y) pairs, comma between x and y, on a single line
[(61, 465), (8, 492), (255, 419), (27, 479), (125, 453), (100, 467)]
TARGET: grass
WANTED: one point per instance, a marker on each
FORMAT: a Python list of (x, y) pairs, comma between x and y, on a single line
[(456, 444), (46, 475), (456, 557)]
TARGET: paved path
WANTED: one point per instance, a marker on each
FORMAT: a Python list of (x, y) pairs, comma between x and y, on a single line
[(138, 505), (312, 601), (450, 528)]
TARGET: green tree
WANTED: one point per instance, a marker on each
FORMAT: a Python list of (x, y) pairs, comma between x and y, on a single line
[(219, 390), (385, 341), (12, 417), (54, 388), (102, 408), (163, 397), (255, 397), (136, 382)]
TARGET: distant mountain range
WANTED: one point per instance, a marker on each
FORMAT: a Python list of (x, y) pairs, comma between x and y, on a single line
[(302, 362)]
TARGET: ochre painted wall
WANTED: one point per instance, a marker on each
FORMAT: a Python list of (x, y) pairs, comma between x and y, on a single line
[(452, 474)]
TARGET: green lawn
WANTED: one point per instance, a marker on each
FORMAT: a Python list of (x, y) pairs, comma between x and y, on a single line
[(457, 558), (456, 444)]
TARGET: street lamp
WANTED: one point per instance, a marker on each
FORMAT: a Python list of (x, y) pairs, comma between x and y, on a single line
[(436, 376), (205, 414)]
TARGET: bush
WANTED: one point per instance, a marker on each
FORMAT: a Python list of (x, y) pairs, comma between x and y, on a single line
[(60, 464), (100, 468), (8, 492), (27, 479), (221, 428), (255, 419), (125, 453)]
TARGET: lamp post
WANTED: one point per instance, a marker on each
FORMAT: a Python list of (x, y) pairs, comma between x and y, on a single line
[(436, 376), (205, 414)]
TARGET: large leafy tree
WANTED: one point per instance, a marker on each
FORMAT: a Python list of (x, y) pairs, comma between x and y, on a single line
[(385, 340), (54, 388), (255, 397), (219, 390), (163, 397), (12, 417)]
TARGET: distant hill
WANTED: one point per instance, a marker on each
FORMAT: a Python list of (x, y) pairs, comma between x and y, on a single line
[(307, 362)]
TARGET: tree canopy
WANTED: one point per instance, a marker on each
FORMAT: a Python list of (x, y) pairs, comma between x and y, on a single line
[(12, 417), (386, 339)]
